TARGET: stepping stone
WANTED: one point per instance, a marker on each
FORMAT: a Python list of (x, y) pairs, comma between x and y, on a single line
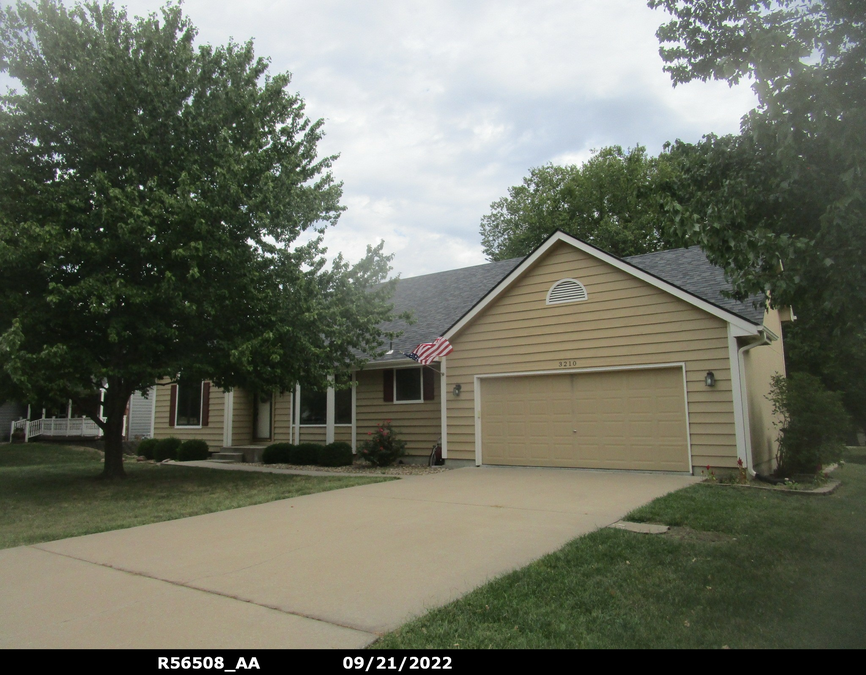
[(641, 528)]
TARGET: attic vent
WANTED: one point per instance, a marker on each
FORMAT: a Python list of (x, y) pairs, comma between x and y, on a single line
[(566, 290)]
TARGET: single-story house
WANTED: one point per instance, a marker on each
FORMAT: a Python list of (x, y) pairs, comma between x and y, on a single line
[(569, 357)]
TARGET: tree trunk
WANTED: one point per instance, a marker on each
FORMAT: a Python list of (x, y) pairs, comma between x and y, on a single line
[(114, 406)]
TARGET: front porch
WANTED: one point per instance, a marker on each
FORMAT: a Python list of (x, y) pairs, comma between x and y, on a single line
[(55, 427)]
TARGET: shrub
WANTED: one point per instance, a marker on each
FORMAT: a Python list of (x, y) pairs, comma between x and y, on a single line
[(277, 453), (304, 453), (383, 447), (335, 454), (193, 450), (166, 448), (813, 424), (146, 447)]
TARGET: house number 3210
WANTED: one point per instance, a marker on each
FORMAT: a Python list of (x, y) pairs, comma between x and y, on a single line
[(568, 364)]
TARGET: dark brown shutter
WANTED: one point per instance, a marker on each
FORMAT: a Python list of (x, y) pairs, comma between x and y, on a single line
[(172, 405), (388, 385), (429, 383), (205, 403)]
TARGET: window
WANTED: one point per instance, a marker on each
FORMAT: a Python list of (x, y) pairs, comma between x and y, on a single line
[(189, 399), (407, 385), (314, 407), (189, 405), (343, 406)]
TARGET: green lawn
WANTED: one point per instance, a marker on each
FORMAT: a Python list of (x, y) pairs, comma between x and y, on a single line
[(51, 492), (744, 568)]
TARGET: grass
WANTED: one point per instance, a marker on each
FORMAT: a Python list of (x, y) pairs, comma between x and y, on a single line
[(742, 569), (50, 492)]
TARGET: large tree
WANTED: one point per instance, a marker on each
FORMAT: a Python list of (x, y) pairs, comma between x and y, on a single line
[(152, 196), (610, 201), (784, 203)]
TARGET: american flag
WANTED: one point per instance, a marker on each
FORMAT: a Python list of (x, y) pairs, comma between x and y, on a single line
[(427, 351)]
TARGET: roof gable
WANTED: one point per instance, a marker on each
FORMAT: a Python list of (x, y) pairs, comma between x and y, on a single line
[(444, 302), (746, 325)]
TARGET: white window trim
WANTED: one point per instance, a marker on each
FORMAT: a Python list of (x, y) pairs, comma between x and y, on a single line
[(200, 409), (330, 409), (322, 426), (420, 370)]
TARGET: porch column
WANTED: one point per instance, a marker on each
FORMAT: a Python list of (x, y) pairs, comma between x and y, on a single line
[(228, 416), (354, 425), (297, 414), (443, 380), (330, 414)]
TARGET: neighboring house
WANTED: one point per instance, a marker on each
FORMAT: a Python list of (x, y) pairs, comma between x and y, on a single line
[(139, 416), (569, 357), (10, 411)]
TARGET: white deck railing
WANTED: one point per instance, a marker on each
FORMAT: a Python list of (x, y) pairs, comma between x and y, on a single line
[(57, 426)]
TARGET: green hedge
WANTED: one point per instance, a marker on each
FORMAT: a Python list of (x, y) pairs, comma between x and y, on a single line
[(277, 453), (166, 448), (305, 453), (146, 447), (193, 450), (335, 454)]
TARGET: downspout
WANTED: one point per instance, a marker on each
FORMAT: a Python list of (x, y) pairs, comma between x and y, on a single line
[(744, 397)]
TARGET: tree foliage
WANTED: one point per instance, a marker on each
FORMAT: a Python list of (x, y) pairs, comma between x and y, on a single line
[(791, 188), (152, 199), (813, 424), (611, 201)]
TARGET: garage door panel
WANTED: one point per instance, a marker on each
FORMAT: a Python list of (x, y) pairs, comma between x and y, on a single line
[(614, 420)]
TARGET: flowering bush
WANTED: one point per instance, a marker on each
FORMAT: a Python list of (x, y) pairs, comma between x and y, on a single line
[(383, 447), (742, 476), (708, 474)]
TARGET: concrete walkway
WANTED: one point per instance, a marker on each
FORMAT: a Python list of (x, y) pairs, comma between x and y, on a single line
[(334, 569)]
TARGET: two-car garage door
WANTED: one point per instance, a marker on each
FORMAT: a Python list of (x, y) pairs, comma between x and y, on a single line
[(623, 419)]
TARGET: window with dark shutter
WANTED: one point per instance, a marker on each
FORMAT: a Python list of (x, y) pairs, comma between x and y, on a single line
[(172, 405), (205, 404), (188, 411), (388, 385)]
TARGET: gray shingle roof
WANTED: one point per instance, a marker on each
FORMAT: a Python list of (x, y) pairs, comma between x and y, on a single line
[(689, 269), (437, 301)]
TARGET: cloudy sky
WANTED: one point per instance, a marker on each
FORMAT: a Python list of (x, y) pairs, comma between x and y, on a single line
[(437, 107)]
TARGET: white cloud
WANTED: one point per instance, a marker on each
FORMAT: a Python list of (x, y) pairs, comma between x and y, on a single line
[(437, 107)]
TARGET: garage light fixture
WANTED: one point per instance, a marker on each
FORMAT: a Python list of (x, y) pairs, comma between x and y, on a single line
[(456, 389), (710, 379)]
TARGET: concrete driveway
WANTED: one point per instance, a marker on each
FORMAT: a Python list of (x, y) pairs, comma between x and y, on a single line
[(334, 569)]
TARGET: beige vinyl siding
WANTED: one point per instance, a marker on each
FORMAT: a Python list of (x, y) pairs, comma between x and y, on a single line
[(313, 434), (319, 433), (624, 322), (343, 433), (760, 364), (282, 412), (416, 423), (212, 433), (242, 422)]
